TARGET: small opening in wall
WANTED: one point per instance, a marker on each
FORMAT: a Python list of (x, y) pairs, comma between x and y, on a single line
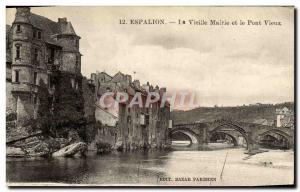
[(34, 34), (18, 51), (35, 78), (39, 35), (18, 28), (17, 76), (36, 55)]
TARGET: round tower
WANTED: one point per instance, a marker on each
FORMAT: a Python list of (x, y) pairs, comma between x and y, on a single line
[(22, 31)]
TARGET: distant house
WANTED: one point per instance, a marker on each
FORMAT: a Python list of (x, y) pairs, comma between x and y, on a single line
[(284, 117), (262, 122)]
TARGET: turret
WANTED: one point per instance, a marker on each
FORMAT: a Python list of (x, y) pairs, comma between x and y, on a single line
[(70, 42), (22, 47), (22, 74)]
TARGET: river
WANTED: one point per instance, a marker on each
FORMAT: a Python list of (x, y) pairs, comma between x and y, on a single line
[(181, 166)]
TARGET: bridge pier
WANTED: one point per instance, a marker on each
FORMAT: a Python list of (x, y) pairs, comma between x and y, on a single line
[(252, 144), (202, 137)]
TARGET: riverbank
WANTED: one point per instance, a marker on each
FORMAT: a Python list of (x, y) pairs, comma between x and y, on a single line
[(145, 168)]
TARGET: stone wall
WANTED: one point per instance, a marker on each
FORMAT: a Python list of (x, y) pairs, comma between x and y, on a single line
[(133, 133), (104, 135), (88, 91), (105, 117)]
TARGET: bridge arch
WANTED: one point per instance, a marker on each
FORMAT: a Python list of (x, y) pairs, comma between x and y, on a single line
[(278, 132), (237, 128), (234, 140), (193, 137)]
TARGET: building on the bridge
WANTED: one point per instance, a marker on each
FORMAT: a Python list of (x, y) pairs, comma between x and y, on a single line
[(137, 127), (43, 70), (284, 117)]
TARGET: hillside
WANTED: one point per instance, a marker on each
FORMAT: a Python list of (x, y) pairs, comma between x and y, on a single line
[(250, 113)]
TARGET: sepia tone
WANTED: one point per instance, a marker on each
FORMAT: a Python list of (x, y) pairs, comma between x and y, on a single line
[(150, 96)]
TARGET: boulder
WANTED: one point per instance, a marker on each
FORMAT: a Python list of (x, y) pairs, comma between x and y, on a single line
[(42, 149), (75, 149), (15, 152)]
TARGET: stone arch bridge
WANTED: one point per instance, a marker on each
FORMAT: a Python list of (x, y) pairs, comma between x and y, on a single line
[(200, 133)]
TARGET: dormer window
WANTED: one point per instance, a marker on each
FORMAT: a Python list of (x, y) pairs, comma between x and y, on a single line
[(19, 28), (39, 35)]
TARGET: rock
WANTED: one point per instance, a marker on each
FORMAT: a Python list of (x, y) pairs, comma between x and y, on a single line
[(62, 142), (15, 152), (42, 149), (75, 149)]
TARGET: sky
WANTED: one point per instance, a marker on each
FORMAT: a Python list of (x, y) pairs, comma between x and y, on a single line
[(221, 65)]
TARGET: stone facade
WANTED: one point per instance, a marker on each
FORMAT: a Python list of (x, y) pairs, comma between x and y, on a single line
[(284, 118), (44, 81), (137, 127)]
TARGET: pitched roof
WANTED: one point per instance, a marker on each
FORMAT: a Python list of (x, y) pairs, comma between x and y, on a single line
[(50, 26), (103, 72), (44, 24)]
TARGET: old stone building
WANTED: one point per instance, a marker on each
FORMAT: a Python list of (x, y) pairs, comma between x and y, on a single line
[(44, 81), (137, 127), (284, 118)]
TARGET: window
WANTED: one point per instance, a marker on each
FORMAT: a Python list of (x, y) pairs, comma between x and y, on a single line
[(35, 78), (18, 28), (17, 76), (18, 51), (72, 82), (76, 85), (34, 34), (147, 119), (39, 35), (51, 55), (36, 54), (77, 43), (77, 61)]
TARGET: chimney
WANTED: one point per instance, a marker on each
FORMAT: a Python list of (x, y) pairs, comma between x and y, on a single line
[(22, 15), (128, 78), (62, 20), (23, 10), (136, 83)]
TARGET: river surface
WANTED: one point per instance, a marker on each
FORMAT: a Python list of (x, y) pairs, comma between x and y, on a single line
[(218, 165)]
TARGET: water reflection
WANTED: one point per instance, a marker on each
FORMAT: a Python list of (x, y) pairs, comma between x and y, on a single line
[(146, 167)]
